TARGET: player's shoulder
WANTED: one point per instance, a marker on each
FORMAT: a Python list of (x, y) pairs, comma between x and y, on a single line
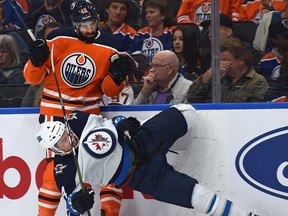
[(65, 31), (111, 40)]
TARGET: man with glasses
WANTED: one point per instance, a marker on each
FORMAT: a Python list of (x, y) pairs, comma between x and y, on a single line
[(163, 84), (85, 69)]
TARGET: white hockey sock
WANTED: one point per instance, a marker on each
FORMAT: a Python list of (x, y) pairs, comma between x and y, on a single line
[(207, 202)]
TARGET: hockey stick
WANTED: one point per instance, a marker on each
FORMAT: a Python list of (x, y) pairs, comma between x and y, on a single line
[(22, 21), (67, 125)]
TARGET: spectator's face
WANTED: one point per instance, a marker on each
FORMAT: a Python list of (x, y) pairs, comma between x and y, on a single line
[(5, 57), (117, 13), (235, 63), (178, 41), (161, 68), (225, 33), (154, 17)]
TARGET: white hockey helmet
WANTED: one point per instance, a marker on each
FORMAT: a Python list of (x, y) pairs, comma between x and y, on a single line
[(49, 134)]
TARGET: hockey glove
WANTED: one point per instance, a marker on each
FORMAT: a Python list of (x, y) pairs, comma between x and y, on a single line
[(80, 201), (119, 68), (39, 52), (128, 128), (117, 119)]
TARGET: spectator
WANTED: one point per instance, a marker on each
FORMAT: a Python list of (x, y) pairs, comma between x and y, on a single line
[(10, 65), (47, 28), (21, 44), (262, 41), (131, 155), (42, 12), (86, 68), (163, 84), (256, 9), (270, 64), (158, 35), (186, 47), (11, 19), (197, 11), (117, 11), (239, 81), (226, 31)]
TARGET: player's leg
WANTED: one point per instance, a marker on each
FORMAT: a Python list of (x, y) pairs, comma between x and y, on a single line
[(110, 200), (157, 178), (49, 195)]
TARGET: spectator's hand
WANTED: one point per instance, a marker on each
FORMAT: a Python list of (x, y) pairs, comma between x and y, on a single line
[(39, 52), (80, 201), (119, 68), (225, 67), (148, 84)]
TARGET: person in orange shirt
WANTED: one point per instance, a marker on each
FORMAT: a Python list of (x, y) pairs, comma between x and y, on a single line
[(255, 10), (196, 11), (85, 70)]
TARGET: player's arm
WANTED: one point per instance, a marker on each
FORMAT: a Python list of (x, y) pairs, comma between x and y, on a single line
[(35, 70)]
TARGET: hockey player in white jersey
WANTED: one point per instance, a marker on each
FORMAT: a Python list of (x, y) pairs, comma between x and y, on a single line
[(123, 152)]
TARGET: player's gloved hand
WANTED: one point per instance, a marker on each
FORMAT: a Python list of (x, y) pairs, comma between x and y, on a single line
[(117, 119), (39, 52), (119, 68), (80, 201), (128, 128)]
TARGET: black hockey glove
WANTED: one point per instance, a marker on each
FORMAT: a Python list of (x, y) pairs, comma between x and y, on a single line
[(39, 52), (119, 68), (128, 128), (80, 201)]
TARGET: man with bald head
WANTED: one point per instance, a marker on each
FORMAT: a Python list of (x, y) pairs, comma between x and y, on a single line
[(163, 84)]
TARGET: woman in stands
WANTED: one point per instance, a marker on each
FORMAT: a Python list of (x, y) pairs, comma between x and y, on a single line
[(157, 36), (10, 65), (186, 47)]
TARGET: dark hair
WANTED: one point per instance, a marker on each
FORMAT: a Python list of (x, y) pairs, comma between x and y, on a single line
[(190, 44), (165, 10), (125, 2), (46, 26)]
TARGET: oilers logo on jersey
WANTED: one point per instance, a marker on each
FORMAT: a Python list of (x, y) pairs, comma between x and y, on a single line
[(99, 143), (203, 12), (150, 47), (78, 70)]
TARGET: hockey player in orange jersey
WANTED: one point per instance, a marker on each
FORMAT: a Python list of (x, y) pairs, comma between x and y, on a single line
[(197, 11), (85, 70)]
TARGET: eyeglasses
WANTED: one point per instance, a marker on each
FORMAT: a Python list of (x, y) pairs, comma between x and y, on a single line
[(2, 52), (155, 66)]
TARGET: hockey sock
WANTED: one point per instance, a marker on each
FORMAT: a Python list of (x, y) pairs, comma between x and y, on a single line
[(207, 202)]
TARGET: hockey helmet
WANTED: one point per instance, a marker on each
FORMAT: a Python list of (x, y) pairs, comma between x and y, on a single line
[(83, 10), (49, 134)]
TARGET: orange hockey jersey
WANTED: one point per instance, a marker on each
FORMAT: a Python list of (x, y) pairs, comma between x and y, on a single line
[(197, 11), (82, 73), (254, 10)]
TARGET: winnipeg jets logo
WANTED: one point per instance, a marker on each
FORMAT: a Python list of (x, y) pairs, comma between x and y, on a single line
[(99, 143), (59, 169)]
